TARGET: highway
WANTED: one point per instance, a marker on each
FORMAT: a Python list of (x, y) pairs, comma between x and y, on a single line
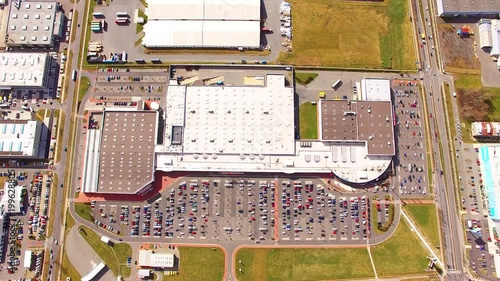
[(441, 140)]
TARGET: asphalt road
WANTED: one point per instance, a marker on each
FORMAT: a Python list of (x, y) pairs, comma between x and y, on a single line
[(440, 137)]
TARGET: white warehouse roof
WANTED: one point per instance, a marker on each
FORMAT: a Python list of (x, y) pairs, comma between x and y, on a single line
[(203, 10), (232, 10), (22, 69), (19, 138), (159, 260), (231, 34), (375, 89), (166, 33), (174, 10)]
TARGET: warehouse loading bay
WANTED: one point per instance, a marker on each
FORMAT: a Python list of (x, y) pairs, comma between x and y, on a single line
[(110, 84), (262, 210)]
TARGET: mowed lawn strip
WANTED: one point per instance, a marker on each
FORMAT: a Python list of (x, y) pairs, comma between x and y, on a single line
[(308, 121), (401, 254), (355, 34), (105, 252), (305, 78), (84, 211), (425, 216), (200, 264), (303, 264)]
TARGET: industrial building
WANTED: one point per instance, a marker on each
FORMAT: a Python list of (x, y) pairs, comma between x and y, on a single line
[(240, 129), (203, 24), (12, 198), (150, 259), (489, 38), (34, 24), (20, 139), (24, 71), (486, 131), (468, 8), (252, 129), (119, 155)]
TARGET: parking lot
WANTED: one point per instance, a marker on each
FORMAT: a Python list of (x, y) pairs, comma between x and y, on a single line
[(411, 162), (235, 209)]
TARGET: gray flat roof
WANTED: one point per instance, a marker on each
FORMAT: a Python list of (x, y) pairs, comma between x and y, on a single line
[(127, 151), (32, 23), (369, 121), (469, 6)]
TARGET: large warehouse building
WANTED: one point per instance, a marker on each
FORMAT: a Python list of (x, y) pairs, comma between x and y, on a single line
[(240, 129), (21, 139), (119, 156), (34, 24), (468, 8), (24, 71), (202, 24)]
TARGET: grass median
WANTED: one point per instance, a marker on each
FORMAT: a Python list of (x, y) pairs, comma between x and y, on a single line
[(308, 121), (426, 218), (84, 87), (60, 116), (67, 269), (200, 263), (115, 256)]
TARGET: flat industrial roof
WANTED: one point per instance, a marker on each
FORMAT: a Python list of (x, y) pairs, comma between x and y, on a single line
[(368, 121), (148, 258), (23, 69), (234, 120), (373, 89), (463, 7), (127, 151), (210, 34), (203, 10), (31, 23), (19, 138)]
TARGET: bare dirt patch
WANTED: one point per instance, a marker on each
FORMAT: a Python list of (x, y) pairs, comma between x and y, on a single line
[(474, 105), (458, 53)]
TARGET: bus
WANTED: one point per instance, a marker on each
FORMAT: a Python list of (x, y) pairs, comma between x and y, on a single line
[(336, 84), (73, 75), (122, 15), (98, 15)]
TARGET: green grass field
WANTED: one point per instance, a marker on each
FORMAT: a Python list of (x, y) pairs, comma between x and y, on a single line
[(84, 87), (425, 216), (402, 254), (354, 34), (116, 261), (84, 211), (308, 121), (200, 264), (305, 78), (303, 264)]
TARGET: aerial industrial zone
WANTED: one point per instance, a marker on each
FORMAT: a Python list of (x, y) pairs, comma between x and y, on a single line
[(248, 140)]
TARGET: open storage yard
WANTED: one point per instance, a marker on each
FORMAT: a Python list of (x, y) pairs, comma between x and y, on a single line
[(458, 52), (371, 34)]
